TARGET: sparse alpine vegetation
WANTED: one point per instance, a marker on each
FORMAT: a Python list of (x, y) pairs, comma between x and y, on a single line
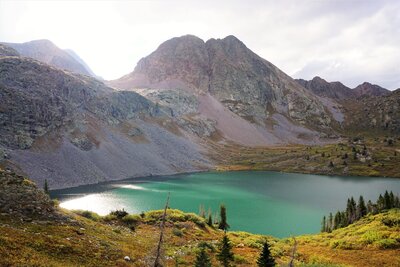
[(121, 239)]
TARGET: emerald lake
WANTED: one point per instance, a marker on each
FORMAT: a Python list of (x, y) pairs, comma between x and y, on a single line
[(272, 203)]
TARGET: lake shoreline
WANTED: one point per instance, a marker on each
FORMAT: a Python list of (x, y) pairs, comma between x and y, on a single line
[(277, 194)]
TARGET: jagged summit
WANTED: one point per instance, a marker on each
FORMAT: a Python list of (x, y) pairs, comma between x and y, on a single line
[(227, 73)]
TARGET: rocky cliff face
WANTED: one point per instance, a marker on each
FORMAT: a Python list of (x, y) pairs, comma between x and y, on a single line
[(47, 52), (72, 129), (251, 90), (375, 114)]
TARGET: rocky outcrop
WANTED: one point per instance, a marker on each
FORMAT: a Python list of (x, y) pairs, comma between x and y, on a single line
[(53, 98), (368, 89), (7, 51), (20, 198), (47, 52), (333, 90), (375, 114)]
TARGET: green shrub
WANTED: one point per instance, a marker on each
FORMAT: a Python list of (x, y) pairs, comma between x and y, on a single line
[(87, 214), (387, 243), (391, 222), (239, 259), (370, 237), (177, 232), (131, 219), (109, 217), (119, 213)]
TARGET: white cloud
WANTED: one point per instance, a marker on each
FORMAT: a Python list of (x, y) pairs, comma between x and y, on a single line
[(347, 40)]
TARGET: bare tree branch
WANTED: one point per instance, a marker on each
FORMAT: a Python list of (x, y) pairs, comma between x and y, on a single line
[(158, 255)]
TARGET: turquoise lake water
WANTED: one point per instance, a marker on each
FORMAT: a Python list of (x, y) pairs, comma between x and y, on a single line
[(272, 203)]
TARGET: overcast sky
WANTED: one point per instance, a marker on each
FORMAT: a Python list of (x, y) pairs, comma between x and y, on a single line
[(346, 40)]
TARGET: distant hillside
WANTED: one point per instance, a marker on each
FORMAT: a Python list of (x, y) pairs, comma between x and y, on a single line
[(83, 63), (7, 51), (338, 91), (376, 114), (47, 52), (334, 90)]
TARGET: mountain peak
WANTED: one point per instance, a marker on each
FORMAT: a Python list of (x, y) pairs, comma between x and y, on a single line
[(46, 51)]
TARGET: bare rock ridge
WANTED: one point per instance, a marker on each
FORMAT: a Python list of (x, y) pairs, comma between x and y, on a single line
[(338, 91), (370, 90), (333, 90), (7, 51), (47, 52), (254, 93)]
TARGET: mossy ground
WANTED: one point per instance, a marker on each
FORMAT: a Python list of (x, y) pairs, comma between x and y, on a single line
[(104, 241), (382, 159)]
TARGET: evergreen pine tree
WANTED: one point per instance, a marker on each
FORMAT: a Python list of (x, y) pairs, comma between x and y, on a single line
[(209, 220), (323, 225), (370, 207), (225, 255), (386, 202), (343, 217), (223, 224), (265, 259), (361, 208), (396, 202), (330, 222), (46, 187), (202, 258), (353, 209), (380, 203), (392, 200), (337, 220)]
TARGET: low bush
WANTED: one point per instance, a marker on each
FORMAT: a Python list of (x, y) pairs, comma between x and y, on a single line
[(177, 232), (88, 214)]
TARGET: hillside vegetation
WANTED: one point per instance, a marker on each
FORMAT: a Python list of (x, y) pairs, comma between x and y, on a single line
[(357, 156), (81, 238)]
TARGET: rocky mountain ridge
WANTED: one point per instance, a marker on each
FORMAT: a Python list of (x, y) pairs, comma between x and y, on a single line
[(72, 129), (231, 82), (338, 91), (47, 52)]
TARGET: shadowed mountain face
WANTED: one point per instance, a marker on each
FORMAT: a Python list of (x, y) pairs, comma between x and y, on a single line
[(45, 51), (230, 81)]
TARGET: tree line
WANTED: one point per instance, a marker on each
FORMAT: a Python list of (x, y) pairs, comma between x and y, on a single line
[(355, 211)]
